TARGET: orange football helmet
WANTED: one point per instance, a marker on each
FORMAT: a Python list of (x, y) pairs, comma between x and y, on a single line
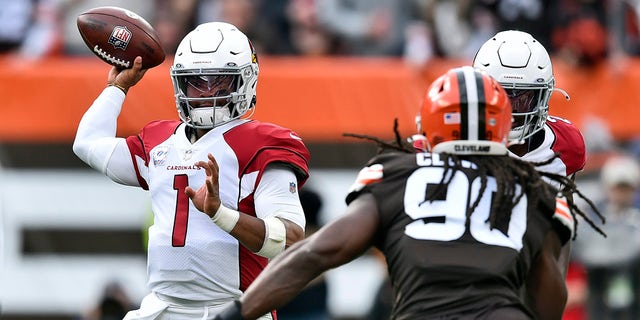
[(465, 111)]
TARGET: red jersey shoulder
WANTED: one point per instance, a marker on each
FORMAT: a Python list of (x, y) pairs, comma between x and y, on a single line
[(151, 135), (569, 142), (269, 133), (255, 135), (256, 144), (158, 131)]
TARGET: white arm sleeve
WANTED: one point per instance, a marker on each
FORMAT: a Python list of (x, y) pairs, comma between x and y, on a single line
[(274, 198), (96, 144)]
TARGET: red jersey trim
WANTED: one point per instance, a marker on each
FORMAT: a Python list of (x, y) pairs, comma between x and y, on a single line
[(569, 143)]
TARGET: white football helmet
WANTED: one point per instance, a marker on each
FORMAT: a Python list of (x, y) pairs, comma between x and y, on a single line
[(214, 75), (523, 67)]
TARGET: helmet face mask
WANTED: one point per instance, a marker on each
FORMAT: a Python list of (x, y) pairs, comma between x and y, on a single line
[(207, 99), (520, 64), (523, 100), (529, 111), (214, 75)]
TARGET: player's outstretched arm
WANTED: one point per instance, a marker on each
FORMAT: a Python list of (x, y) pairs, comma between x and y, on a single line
[(267, 237), (333, 245), (546, 288), (95, 142)]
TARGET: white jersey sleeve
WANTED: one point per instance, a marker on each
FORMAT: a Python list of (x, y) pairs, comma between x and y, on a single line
[(276, 196), (96, 144)]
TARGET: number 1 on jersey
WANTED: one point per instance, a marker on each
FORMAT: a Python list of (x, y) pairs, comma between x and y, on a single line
[(179, 236)]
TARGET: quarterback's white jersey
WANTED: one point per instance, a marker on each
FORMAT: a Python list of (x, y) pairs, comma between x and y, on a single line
[(560, 136), (189, 256)]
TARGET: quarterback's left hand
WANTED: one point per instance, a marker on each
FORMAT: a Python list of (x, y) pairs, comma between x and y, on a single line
[(207, 197)]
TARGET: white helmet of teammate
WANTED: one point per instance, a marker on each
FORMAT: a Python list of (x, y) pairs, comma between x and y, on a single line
[(523, 67), (214, 75)]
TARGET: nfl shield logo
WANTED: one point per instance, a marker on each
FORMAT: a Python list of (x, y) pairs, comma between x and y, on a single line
[(292, 187), (120, 37)]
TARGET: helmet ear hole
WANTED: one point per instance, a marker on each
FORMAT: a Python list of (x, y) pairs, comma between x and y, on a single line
[(441, 87)]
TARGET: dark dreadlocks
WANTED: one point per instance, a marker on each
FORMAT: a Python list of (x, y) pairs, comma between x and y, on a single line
[(509, 173)]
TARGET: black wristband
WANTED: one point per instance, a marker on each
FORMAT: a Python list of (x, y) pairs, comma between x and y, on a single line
[(231, 312)]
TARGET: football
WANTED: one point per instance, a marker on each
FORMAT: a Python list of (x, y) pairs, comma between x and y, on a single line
[(118, 35)]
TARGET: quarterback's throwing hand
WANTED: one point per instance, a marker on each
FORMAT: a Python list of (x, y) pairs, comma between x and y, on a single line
[(126, 78)]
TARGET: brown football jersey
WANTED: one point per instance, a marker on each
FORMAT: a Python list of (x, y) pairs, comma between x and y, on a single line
[(445, 260)]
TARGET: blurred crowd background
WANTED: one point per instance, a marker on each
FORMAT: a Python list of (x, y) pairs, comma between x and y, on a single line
[(581, 31), (604, 278)]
